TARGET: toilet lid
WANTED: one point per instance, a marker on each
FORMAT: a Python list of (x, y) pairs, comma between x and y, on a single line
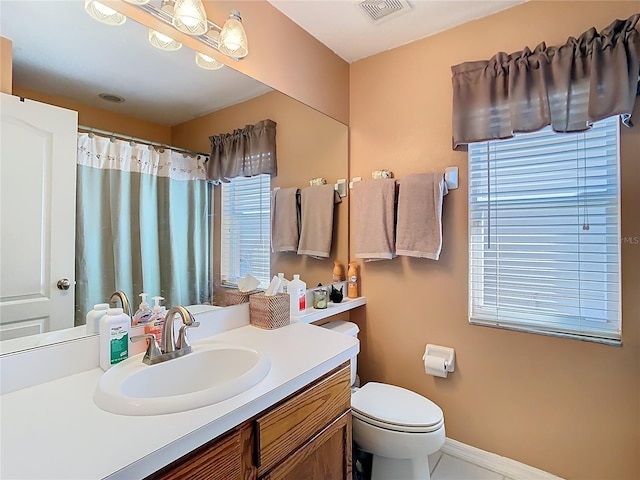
[(396, 408)]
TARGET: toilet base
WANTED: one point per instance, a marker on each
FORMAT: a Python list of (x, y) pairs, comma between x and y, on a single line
[(384, 468)]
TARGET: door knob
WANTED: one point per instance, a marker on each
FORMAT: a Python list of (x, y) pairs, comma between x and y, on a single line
[(64, 284)]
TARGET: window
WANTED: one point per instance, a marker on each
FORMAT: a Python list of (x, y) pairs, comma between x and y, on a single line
[(544, 251), (246, 229)]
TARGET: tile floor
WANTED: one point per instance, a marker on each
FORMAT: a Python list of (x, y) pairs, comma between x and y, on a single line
[(447, 467)]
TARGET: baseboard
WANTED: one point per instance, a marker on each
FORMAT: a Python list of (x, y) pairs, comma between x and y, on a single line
[(502, 465)]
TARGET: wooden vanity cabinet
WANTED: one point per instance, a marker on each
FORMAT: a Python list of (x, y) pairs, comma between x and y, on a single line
[(307, 435)]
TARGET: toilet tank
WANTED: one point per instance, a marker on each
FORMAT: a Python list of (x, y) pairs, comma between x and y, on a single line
[(346, 328)]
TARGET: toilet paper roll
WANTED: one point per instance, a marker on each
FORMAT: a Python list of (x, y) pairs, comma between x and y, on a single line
[(435, 366)]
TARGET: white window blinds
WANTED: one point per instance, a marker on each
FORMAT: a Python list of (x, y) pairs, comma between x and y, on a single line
[(544, 234), (246, 229)]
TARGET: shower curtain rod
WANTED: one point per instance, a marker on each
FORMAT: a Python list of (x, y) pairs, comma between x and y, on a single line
[(138, 140)]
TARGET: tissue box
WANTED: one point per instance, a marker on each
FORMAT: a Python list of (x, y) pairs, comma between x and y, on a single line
[(235, 297), (269, 312)]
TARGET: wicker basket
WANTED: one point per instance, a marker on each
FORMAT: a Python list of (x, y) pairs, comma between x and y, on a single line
[(235, 297), (269, 312)]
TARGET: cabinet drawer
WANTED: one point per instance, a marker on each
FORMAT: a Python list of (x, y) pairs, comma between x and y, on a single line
[(219, 460), (327, 456), (291, 424)]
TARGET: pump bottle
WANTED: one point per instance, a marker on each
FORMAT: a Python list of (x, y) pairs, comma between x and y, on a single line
[(156, 324), (143, 314)]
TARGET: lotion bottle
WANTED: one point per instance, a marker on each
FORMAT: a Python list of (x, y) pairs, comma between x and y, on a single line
[(115, 327), (92, 320)]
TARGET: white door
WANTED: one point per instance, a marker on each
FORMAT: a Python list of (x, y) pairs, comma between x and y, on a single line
[(38, 148)]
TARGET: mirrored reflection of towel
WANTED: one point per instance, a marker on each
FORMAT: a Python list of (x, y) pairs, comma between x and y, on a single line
[(284, 220), (316, 211), (419, 230), (374, 218)]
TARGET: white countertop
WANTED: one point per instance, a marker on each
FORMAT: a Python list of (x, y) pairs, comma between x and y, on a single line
[(55, 431)]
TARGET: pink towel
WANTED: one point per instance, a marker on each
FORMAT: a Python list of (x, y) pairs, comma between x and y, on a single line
[(373, 218), (316, 211), (419, 230), (284, 220)]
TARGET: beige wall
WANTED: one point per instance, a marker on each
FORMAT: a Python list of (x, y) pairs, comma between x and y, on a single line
[(104, 119), (6, 65), (281, 54), (309, 145), (568, 407)]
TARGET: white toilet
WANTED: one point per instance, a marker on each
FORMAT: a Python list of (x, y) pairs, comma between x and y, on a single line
[(399, 427)]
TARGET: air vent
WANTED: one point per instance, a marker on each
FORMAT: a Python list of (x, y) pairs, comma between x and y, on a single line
[(381, 10)]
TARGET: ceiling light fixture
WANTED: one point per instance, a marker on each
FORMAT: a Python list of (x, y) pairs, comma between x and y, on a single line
[(163, 42), (160, 40), (230, 39), (208, 63), (189, 17), (233, 39), (103, 14)]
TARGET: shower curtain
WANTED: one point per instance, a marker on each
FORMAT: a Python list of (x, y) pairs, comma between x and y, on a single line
[(142, 224)]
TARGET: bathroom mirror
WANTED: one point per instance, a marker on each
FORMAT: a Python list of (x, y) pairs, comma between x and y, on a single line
[(309, 143)]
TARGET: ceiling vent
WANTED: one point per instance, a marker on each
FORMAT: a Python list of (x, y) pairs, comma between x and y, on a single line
[(378, 11)]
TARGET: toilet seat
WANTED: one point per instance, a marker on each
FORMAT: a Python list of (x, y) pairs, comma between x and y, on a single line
[(396, 409)]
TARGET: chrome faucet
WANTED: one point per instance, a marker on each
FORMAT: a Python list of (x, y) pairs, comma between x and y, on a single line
[(168, 343), (126, 306), (169, 348)]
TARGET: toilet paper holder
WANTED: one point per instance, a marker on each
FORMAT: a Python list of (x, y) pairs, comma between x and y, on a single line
[(447, 353)]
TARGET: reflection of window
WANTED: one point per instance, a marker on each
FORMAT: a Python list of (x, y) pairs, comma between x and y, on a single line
[(544, 250), (246, 234)]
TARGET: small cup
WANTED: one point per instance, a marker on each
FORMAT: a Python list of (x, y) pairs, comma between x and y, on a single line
[(320, 298)]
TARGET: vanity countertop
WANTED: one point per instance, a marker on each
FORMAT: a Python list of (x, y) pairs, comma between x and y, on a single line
[(54, 430)]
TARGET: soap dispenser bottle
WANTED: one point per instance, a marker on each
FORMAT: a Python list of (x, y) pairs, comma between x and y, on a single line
[(115, 327), (156, 323), (143, 314)]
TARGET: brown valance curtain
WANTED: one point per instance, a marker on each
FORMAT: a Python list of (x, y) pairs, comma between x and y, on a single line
[(568, 87), (245, 152)]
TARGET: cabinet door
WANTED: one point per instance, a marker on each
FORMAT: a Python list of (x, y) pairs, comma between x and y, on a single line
[(218, 460), (326, 456), (285, 428)]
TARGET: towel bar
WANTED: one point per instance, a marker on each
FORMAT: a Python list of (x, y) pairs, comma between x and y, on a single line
[(450, 176)]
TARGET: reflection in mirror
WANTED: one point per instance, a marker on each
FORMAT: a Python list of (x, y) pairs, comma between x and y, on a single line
[(168, 100)]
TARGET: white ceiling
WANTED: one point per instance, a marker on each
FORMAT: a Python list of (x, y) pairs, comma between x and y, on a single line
[(343, 27), (59, 50)]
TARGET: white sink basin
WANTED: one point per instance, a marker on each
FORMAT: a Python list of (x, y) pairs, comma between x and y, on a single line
[(210, 374)]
